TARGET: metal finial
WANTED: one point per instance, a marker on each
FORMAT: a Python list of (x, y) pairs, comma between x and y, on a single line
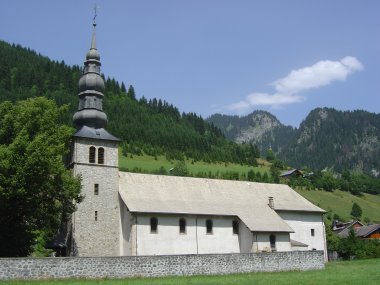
[(95, 14)]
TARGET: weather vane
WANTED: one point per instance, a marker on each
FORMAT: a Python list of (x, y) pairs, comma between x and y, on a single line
[(96, 7)]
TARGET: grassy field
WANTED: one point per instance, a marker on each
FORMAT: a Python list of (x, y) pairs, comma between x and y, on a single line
[(149, 164), (347, 272), (340, 203)]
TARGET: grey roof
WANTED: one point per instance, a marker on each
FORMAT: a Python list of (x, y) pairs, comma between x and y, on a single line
[(367, 230), (290, 172), (363, 231), (92, 133), (146, 193)]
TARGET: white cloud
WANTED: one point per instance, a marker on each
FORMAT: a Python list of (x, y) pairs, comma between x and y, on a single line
[(319, 74)]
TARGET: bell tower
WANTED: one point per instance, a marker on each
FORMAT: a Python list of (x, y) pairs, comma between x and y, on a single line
[(94, 157)]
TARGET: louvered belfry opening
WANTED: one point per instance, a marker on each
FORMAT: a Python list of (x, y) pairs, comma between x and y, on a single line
[(92, 154), (101, 155)]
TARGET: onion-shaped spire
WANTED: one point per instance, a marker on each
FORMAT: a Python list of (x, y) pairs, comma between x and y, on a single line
[(91, 87)]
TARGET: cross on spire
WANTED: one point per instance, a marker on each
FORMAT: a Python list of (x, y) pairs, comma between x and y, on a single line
[(96, 7)]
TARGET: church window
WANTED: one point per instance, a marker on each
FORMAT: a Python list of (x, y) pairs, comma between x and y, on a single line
[(101, 155), (96, 215), (209, 226), (92, 154), (235, 227), (96, 189), (153, 225), (312, 232), (182, 226), (272, 240)]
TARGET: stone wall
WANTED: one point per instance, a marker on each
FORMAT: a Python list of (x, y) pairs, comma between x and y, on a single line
[(150, 266)]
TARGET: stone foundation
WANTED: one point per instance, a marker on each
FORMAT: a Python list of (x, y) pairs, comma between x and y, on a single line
[(151, 266)]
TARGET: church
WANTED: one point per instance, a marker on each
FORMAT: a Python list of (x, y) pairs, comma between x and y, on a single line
[(131, 214)]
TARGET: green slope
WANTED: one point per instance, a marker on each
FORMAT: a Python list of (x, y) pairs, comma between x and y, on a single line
[(340, 203), (148, 164)]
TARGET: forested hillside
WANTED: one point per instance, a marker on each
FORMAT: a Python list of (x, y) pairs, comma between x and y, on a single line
[(336, 139), (153, 126), (327, 138)]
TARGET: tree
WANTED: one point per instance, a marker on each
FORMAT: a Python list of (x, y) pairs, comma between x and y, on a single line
[(131, 92), (270, 155), (36, 190), (356, 211), (180, 169)]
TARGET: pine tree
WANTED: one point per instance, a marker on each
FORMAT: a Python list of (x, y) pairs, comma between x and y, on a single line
[(356, 211)]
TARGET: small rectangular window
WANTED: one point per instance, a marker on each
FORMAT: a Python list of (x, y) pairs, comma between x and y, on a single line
[(96, 189), (235, 227), (153, 225), (182, 226), (312, 232), (209, 227), (96, 215)]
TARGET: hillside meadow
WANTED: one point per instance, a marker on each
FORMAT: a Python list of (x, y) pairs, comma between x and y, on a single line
[(148, 164), (340, 202), (345, 272)]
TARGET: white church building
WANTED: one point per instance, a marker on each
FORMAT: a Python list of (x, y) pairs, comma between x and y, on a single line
[(141, 214)]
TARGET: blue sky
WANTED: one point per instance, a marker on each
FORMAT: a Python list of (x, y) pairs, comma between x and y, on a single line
[(208, 56)]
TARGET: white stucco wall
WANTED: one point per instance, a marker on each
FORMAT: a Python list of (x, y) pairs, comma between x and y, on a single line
[(222, 239), (262, 241), (168, 239), (302, 223), (99, 237)]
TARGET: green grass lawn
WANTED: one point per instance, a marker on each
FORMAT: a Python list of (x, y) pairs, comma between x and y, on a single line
[(340, 203), (358, 272), (149, 164)]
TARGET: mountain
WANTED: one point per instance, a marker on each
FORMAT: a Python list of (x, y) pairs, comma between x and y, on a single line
[(326, 138), (338, 139), (260, 128)]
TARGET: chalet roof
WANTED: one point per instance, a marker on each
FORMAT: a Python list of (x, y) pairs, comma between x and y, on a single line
[(146, 193), (342, 229), (367, 230), (290, 172)]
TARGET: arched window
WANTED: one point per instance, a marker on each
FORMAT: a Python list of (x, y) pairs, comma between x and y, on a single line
[(209, 226), (235, 227), (91, 154), (153, 225), (272, 240), (101, 155), (182, 226)]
